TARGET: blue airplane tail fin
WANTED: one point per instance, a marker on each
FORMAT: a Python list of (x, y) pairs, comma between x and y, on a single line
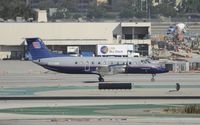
[(37, 49)]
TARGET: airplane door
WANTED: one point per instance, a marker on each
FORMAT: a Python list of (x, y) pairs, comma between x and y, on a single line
[(87, 66)]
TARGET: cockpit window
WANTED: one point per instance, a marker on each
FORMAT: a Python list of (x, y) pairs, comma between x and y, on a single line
[(148, 61), (145, 61)]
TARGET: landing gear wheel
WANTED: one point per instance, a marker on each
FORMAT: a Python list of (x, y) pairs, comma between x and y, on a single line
[(101, 79), (153, 79)]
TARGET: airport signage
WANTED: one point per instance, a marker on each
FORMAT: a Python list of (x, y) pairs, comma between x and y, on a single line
[(113, 49)]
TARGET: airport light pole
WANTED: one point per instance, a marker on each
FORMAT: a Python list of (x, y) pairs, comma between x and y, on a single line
[(148, 9)]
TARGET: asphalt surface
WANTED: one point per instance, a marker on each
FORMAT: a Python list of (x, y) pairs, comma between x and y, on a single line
[(22, 78), (26, 98), (109, 121)]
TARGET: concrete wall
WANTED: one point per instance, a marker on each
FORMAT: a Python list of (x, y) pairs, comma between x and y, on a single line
[(63, 33), (66, 33), (13, 33)]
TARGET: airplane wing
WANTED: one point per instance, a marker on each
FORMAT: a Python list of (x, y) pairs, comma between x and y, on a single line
[(111, 69)]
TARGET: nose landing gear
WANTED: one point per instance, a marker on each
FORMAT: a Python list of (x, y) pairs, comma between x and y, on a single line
[(101, 79), (153, 79)]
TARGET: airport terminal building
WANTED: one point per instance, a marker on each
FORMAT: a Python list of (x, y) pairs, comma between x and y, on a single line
[(63, 36)]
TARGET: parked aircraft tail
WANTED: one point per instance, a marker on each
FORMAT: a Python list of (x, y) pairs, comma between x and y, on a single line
[(38, 50)]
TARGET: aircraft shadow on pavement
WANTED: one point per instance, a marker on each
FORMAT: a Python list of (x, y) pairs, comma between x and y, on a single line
[(98, 82), (91, 82)]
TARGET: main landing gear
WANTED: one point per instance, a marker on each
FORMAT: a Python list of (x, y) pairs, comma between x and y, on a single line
[(153, 79), (101, 79)]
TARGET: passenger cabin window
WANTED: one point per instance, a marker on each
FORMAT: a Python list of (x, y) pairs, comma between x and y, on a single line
[(92, 62), (76, 62), (99, 62), (129, 63)]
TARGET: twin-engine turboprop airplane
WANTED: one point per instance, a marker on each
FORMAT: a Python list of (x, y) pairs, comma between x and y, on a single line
[(89, 65)]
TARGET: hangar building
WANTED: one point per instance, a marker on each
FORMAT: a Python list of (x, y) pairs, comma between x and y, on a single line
[(86, 35)]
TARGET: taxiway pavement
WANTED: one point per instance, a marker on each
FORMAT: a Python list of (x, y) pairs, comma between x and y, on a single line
[(23, 78)]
